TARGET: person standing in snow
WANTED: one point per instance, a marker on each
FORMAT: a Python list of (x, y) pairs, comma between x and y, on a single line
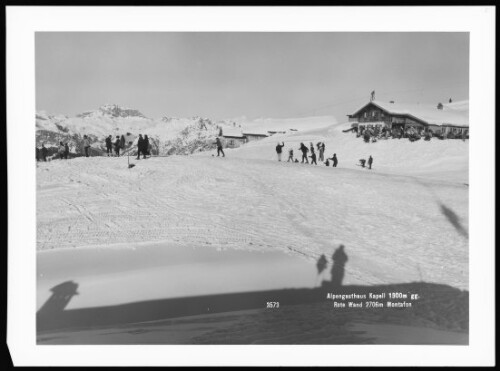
[(44, 153), (140, 147), (370, 162), (117, 146), (334, 160), (279, 148), (146, 146), (109, 146), (66, 151), (219, 147), (321, 151), (290, 155), (304, 151), (86, 145), (37, 154)]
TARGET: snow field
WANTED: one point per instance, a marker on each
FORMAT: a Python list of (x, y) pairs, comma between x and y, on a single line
[(393, 227)]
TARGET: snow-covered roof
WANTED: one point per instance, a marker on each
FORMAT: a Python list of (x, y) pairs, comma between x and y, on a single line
[(426, 112), (260, 134), (232, 132)]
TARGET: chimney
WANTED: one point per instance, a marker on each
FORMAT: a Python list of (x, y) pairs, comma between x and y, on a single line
[(440, 106)]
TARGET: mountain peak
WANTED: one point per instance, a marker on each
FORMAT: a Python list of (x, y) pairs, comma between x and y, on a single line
[(118, 111), (113, 110)]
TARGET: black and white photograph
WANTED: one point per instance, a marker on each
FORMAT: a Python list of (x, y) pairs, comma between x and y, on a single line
[(254, 187)]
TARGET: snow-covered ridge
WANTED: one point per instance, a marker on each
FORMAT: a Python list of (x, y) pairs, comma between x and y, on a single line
[(112, 110)]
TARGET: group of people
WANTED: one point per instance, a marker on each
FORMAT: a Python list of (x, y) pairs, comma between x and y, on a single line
[(373, 133), (143, 146), (320, 148), (363, 162), (62, 152), (117, 144)]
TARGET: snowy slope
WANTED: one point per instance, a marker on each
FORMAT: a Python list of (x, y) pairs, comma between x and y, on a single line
[(440, 159), (395, 228)]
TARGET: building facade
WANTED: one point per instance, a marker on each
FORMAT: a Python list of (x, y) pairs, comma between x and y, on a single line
[(399, 117)]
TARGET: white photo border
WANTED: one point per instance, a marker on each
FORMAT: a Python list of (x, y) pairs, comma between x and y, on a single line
[(21, 25)]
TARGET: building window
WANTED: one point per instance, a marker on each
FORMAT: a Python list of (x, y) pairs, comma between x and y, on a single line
[(231, 142), (365, 115)]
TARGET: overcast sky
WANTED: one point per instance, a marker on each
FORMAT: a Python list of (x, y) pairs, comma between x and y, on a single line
[(227, 75)]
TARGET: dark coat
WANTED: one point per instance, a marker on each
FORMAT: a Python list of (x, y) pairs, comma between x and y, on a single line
[(279, 147), (140, 144)]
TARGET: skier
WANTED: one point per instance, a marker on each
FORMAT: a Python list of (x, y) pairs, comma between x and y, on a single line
[(370, 162), (140, 147), (61, 150), (86, 145), (304, 150), (219, 147), (109, 146), (44, 153), (313, 158), (362, 162), (311, 148), (290, 155), (117, 146), (66, 151)]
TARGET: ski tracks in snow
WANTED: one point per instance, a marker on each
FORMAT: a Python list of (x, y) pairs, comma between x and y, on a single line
[(390, 225)]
